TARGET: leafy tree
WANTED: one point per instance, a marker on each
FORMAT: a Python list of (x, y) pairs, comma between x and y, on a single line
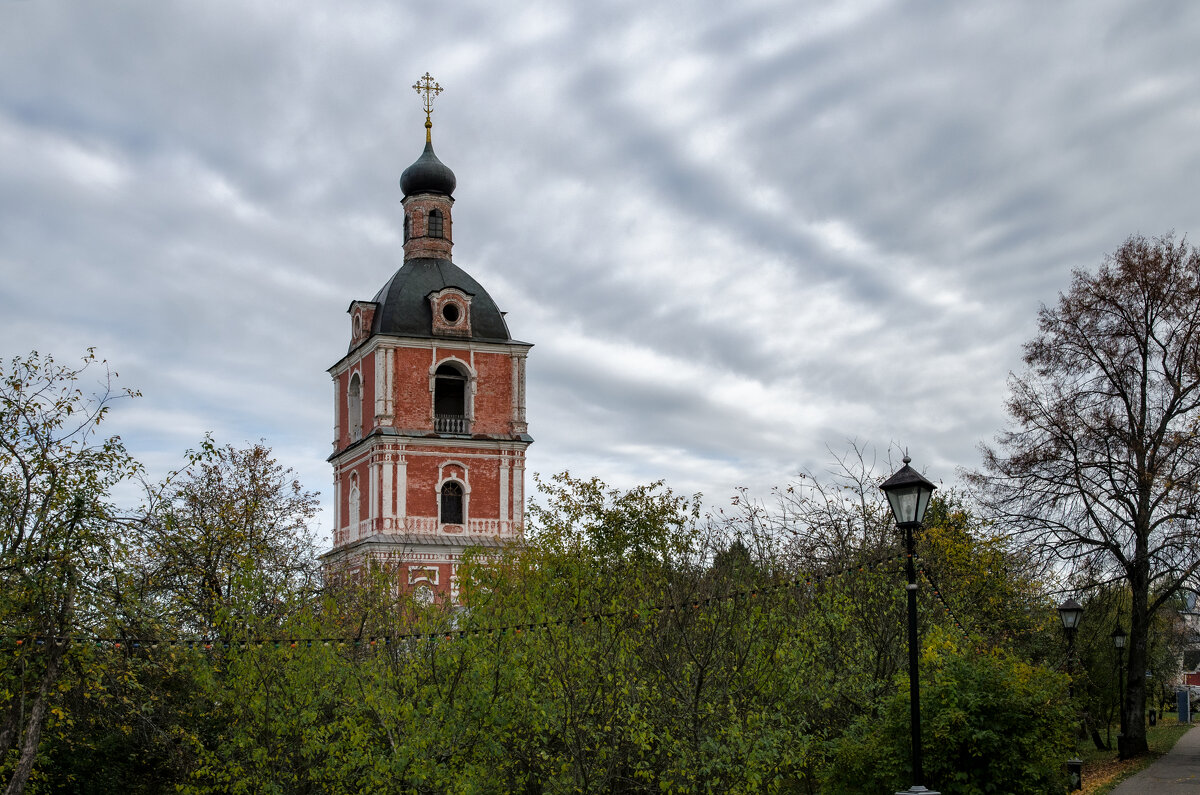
[(647, 525), (1100, 468), (222, 549), (1096, 660), (716, 694), (59, 538), (841, 518), (997, 590), (991, 722), (226, 543), (628, 645)]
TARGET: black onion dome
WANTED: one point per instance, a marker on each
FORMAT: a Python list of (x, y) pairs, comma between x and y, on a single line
[(428, 175), (404, 301)]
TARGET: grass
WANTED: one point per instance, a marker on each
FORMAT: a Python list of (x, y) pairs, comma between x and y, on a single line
[(1102, 771)]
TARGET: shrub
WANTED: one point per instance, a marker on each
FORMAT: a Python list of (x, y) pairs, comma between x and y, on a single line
[(991, 723)]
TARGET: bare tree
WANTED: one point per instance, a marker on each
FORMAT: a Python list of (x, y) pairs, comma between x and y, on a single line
[(1100, 466), (819, 519)]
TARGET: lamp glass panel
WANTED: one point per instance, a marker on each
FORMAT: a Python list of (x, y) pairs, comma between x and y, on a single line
[(1119, 640), (904, 503), (923, 496), (1070, 616)]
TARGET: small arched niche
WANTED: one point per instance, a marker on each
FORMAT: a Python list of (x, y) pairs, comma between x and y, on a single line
[(352, 509), (354, 407)]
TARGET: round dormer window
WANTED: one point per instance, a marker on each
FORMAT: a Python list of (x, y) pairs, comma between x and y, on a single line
[(451, 313)]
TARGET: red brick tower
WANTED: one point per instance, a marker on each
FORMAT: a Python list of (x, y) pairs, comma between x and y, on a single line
[(429, 409)]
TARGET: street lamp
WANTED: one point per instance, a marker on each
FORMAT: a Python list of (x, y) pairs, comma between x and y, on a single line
[(1118, 639), (1069, 613), (908, 493)]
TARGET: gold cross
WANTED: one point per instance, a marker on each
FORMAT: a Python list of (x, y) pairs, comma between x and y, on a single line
[(429, 89)]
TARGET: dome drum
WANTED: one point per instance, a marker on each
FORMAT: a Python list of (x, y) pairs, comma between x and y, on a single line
[(428, 226)]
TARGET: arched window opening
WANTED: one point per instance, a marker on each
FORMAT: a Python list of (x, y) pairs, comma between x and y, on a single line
[(407, 227), (354, 401), (450, 400), (452, 503), (435, 223)]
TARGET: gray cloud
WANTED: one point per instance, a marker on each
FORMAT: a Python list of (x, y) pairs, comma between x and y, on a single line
[(736, 235)]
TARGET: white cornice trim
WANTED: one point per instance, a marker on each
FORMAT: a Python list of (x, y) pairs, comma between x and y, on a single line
[(425, 445), (387, 342)]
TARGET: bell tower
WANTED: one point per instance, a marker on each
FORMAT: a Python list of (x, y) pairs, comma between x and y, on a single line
[(429, 406)]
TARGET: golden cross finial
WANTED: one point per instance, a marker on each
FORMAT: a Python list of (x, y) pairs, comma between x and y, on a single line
[(429, 89)]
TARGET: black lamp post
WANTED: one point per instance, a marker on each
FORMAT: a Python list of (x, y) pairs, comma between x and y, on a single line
[(1118, 639), (1069, 613), (908, 493)]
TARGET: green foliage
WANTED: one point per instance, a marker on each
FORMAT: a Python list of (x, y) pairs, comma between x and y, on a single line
[(994, 588), (644, 526), (725, 693), (628, 644), (1096, 661), (57, 531), (721, 696), (121, 722), (991, 723), (60, 541), (225, 545)]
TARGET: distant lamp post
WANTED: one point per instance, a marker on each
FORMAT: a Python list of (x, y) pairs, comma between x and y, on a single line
[(1118, 639), (1074, 775), (1069, 613), (908, 493)]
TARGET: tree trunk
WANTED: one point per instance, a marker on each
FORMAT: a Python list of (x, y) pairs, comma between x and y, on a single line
[(1134, 707), (1091, 729), (54, 654), (8, 731), (37, 721)]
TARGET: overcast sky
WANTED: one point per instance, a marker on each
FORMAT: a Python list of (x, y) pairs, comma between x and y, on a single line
[(738, 234)]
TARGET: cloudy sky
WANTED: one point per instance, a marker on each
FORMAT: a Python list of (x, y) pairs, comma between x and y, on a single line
[(738, 234)]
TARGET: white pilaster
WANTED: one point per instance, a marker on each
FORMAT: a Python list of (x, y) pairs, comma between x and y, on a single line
[(381, 386), (513, 400), (505, 494), (519, 490), (337, 410), (521, 388), (401, 492), (337, 502), (373, 479), (389, 355), (388, 472)]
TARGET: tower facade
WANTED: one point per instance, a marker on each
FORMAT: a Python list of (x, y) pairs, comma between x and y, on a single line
[(429, 409)]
